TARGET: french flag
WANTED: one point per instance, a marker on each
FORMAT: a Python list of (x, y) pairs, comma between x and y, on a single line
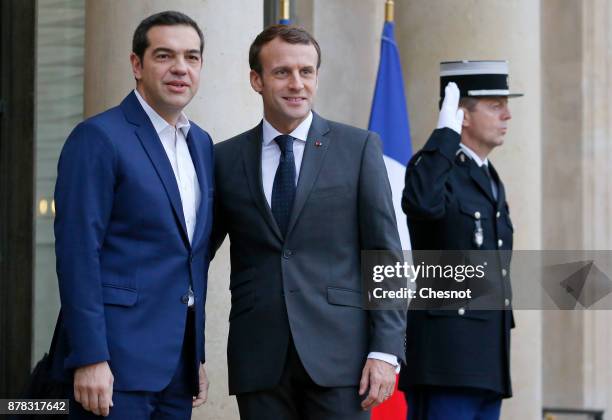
[(389, 118)]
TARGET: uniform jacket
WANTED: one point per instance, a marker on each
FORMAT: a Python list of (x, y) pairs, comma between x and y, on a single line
[(446, 198)]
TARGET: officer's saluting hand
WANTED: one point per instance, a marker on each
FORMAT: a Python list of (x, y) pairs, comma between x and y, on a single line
[(451, 115)]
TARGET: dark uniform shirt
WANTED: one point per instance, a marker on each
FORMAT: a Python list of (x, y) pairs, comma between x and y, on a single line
[(451, 205)]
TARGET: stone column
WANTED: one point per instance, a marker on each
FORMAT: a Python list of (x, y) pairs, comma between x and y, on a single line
[(597, 187), (225, 105), (577, 127), (349, 35), (430, 32), (597, 123), (562, 204)]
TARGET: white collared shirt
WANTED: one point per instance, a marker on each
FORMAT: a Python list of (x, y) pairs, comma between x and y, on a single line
[(480, 163), (173, 139), (270, 158), (271, 153), (474, 156)]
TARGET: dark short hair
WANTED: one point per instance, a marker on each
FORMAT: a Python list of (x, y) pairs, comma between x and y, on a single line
[(288, 33), (468, 102), (140, 42)]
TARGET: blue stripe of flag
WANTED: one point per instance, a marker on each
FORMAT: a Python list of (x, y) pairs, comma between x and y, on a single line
[(389, 115)]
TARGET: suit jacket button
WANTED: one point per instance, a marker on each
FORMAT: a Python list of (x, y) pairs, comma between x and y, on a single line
[(507, 302), (287, 253), (461, 311), (504, 272), (497, 214), (477, 215), (499, 243), (185, 299)]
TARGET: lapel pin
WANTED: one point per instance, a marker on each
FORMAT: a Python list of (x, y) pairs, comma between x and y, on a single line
[(318, 143)]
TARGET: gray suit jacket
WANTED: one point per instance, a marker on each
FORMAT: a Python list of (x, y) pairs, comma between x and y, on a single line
[(305, 286)]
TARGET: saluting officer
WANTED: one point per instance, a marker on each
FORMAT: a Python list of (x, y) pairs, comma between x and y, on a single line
[(458, 362)]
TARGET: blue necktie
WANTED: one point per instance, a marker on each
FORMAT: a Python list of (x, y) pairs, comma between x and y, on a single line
[(283, 190)]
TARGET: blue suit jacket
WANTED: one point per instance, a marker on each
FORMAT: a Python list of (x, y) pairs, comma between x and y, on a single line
[(124, 260)]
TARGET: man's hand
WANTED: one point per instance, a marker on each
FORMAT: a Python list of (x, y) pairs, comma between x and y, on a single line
[(93, 388), (379, 378), (203, 394), (451, 115)]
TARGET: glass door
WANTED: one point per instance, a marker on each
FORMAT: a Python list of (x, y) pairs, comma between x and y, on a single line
[(60, 43)]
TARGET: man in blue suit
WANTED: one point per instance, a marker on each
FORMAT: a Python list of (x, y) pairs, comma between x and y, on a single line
[(133, 217)]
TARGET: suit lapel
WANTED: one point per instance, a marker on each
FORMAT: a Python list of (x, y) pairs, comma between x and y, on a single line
[(481, 179), (314, 153), (501, 193), (201, 214), (251, 156), (154, 149)]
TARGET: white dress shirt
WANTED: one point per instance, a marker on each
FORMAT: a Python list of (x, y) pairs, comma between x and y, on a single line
[(271, 153), (480, 162), (270, 158), (474, 156), (174, 141)]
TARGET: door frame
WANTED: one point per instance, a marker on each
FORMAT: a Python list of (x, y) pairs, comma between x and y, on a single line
[(17, 124)]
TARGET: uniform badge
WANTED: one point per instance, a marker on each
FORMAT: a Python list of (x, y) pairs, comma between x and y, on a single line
[(460, 155)]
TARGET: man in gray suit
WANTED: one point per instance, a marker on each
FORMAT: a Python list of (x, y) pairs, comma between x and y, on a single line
[(300, 197)]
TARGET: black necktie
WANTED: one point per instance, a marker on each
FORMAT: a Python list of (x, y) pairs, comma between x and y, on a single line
[(487, 172), (283, 190)]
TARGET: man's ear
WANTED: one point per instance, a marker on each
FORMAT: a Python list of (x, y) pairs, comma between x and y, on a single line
[(201, 62), (466, 118), (256, 81), (136, 66)]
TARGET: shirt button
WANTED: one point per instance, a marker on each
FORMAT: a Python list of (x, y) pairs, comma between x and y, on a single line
[(504, 272), (461, 311), (499, 243), (507, 302), (477, 215), (498, 214)]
